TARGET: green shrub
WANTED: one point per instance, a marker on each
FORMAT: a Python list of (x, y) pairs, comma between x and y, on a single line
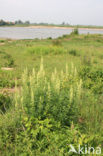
[(42, 137), (5, 102), (49, 38), (6, 79), (75, 32), (73, 52), (65, 36), (93, 79), (7, 60), (86, 60), (56, 42), (4, 83), (2, 41)]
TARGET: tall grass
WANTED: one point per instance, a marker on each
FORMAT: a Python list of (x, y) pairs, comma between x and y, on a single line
[(44, 50)]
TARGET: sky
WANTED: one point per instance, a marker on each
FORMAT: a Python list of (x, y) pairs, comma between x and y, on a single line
[(84, 12)]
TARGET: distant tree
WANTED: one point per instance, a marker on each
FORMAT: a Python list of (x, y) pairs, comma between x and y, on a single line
[(63, 23), (27, 22), (67, 24), (18, 22), (43, 23), (2, 23)]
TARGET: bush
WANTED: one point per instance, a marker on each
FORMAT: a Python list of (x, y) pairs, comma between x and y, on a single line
[(73, 52), (2, 41), (93, 79), (86, 60), (56, 42), (5, 102), (42, 138), (49, 38), (7, 60), (6, 79), (75, 32)]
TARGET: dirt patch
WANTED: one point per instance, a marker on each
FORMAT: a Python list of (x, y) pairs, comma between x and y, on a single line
[(7, 90), (5, 68), (2, 44), (10, 41), (10, 90)]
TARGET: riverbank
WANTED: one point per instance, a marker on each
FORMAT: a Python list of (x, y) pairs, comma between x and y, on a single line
[(65, 27), (57, 27)]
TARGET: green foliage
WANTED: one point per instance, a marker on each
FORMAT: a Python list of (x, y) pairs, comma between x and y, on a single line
[(7, 59), (43, 50), (6, 79), (48, 115), (93, 79), (49, 38), (75, 32), (42, 137), (56, 42), (55, 98), (2, 41), (51, 109), (73, 52), (4, 23), (86, 60), (5, 102)]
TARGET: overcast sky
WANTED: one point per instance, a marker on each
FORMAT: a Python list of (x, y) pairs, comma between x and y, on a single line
[(87, 12)]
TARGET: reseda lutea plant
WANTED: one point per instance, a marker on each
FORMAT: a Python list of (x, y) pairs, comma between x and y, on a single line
[(55, 97)]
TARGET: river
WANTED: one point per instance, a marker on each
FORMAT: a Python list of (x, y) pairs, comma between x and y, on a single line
[(41, 33)]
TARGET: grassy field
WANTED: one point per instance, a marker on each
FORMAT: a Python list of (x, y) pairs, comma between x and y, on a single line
[(51, 95)]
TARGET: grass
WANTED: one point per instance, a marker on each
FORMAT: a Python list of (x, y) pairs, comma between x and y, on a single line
[(57, 95)]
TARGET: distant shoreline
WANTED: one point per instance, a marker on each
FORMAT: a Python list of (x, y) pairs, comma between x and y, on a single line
[(58, 27), (61, 27)]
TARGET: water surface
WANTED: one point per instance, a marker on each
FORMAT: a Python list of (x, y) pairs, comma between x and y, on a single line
[(41, 33)]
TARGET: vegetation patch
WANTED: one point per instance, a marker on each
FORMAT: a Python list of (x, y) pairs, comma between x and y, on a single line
[(5, 102), (75, 32), (44, 50), (46, 107), (7, 60), (56, 42), (73, 52)]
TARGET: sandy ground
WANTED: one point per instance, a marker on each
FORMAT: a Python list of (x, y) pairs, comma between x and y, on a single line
[(2, 44), (5, 68), (55, 27)]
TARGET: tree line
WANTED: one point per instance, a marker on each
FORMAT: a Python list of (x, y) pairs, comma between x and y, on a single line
[(20, 22), (3, 23), (8, 23)]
